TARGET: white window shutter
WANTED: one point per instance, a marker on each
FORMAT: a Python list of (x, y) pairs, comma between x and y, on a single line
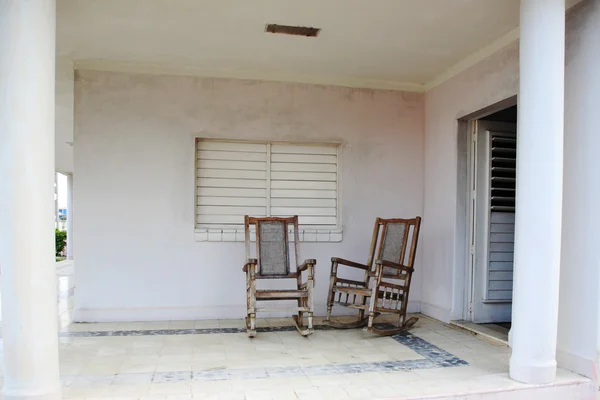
[(235, 178), (304, 182), (231, 181)]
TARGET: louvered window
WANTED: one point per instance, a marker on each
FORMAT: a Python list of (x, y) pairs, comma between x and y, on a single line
[(236, 178), (502, 217)]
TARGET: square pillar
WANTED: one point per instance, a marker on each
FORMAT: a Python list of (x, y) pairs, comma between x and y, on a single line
[(29, 312)]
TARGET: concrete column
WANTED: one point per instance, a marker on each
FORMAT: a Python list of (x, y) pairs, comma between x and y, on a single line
[(539, 191), (29, 313), (69, 216)]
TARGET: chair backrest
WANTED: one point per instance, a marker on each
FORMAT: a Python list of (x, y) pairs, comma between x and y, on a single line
[(272, 246), (397, 243)]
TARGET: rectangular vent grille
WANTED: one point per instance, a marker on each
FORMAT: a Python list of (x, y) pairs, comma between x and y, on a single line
[(292, 30)]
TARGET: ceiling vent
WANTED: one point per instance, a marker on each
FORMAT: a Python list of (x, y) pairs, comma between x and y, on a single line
[(292, 30)]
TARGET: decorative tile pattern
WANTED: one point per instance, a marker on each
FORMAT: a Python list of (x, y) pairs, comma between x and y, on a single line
[(200, 331), (143, 365), (439, 357), (255, 373), (168, 377), (434, 357)]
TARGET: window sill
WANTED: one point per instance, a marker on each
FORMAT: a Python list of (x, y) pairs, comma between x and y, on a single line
[(331, 235)]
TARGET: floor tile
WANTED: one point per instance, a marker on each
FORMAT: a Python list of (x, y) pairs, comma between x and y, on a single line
[(183, 360)]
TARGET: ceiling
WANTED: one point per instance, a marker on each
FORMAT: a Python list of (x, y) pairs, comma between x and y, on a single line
[(395, 44), (380, 44)]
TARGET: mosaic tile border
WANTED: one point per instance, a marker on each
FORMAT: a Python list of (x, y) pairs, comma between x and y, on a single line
[(244, 374), (200, 331), (438, 356), (434, 357)]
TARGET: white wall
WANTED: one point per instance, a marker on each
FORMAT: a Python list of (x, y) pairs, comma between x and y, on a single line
[(65, 94), (488, 82), (134, 157), (579, 317), (482, 85)]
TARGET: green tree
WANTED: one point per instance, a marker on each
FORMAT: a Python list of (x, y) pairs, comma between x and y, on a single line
[(61, 241)]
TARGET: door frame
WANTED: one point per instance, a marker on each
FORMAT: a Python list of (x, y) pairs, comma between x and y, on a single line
[(463, 273)]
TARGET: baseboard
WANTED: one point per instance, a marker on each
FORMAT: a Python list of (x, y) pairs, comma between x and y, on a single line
[(134, 314), (577, 364), (436, 312)]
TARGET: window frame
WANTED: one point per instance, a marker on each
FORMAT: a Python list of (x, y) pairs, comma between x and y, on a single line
[(235, 233)]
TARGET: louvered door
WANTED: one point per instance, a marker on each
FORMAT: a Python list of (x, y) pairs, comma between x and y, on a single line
[(494, 221)]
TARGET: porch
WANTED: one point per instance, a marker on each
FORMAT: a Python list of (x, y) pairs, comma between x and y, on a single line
[(214, 359), (170, 134)]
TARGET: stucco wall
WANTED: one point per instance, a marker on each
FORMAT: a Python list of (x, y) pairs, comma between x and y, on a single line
[(484, 84), (490, 81), (579, 316), (64, 115), (134, 184)]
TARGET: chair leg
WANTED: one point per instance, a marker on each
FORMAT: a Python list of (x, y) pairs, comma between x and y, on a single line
[(299, 321), (361, 315), (371, 318), (329, 308), (251, 325), (305, 303), (251, 318), (331, 293), (372, 305)]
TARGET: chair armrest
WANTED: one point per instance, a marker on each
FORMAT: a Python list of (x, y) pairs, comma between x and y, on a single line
[(251, 261), (394, 265), (307, 265), (304, 266), (349, 263)]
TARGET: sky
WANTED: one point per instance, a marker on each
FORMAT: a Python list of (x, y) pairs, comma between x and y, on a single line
[(62, 190)]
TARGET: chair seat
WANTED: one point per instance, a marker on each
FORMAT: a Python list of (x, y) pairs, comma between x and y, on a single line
[(280, 294)]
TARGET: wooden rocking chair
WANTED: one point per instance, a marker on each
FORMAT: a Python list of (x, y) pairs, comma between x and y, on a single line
[(387, 276), (273, 262)]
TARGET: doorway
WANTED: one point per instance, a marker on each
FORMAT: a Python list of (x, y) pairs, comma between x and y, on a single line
[(491, 215)]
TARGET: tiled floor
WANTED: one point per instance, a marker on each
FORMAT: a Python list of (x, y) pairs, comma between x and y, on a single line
[(216, 360), (495, 332)]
